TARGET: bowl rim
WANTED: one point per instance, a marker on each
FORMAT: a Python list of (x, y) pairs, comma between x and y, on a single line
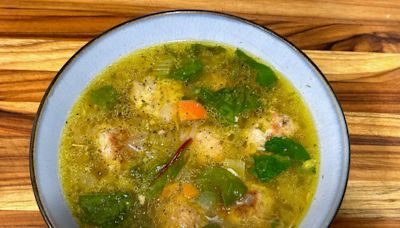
[(32, 151)]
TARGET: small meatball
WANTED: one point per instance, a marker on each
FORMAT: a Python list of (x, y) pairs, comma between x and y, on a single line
[(282, 125), (257, 137), (111, 143), (262, 130), (157, 97), (168, 112), (208, 146), (180, 212), (142, 93), (254, 208)]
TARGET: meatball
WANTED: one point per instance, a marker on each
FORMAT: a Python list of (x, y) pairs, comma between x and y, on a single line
[(259, 132), (208, 146), (180, 212), (157, 97), (254, 208), (111, 144), (282, 125)]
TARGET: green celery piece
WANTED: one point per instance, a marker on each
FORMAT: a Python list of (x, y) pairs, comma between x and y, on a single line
[(287, 147), (105, 97), (105, 210), (229, 103), (188, 71), (265, 75), (220, 180), (267, 167), (208, 199)]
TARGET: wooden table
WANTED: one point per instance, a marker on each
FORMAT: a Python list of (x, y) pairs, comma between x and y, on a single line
[(356, 43)]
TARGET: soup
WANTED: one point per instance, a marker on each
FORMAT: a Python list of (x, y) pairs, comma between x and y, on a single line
[(189, 134)]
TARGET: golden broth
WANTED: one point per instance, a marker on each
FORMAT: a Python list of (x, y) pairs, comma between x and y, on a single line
[(143, 90)]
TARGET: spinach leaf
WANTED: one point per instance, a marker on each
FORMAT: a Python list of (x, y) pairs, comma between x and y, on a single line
[(197, 49), (223, 183), (285, 150), (105, 97), (265, 75), (267, 167), (152, 188), (172, 172), (287, 147), (105, 210), (229, 103), (189, 70)]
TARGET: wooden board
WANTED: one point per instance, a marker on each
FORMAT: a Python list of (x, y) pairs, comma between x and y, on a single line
[(355, 43)]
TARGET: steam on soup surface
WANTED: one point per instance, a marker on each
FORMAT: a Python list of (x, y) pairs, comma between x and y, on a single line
[(189, 134)]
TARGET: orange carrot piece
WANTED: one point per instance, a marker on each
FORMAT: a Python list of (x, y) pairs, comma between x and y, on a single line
[(169, 190), (191, 110), (190, 191)]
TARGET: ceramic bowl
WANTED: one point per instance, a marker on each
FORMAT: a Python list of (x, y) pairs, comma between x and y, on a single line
[(158, 28)]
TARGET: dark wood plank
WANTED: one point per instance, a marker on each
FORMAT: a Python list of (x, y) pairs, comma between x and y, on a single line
[(20, 218)]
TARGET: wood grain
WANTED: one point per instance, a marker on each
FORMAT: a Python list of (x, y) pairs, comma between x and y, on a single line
[(20, 218), (356, 43), (330, 25)]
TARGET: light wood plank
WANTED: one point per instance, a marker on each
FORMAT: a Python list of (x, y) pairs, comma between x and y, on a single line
[(24, 54), (329, 25), (371, 199), (367, 10)]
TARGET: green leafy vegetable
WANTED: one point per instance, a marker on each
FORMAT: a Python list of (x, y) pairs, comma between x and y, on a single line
[(169, 170), (223, 183), (189, 70), (285, 150), (104, 97), (287, 147), (105, 210), (159, 184), (267, 167), (265, 76), (229, 103), (197, 48), (155, 186)]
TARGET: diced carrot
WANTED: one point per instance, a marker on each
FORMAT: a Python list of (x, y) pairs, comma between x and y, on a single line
[(169, 190), (191, 110), (190, 191)]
